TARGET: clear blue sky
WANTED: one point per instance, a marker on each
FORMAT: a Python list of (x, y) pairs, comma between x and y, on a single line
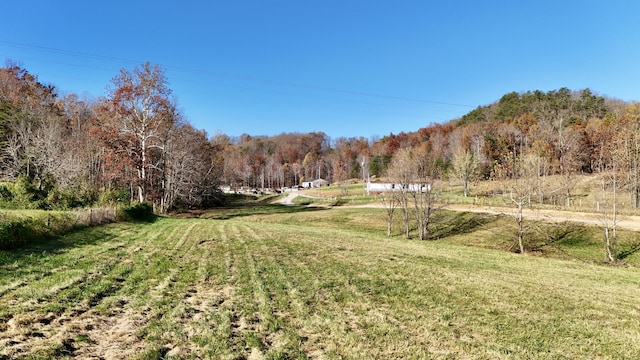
[(344, 67)]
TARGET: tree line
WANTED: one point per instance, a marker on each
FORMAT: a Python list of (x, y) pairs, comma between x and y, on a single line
[(133, 144), (533, 134)]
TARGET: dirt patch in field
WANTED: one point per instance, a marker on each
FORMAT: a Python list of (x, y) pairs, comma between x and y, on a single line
[(202, 299), (81, 332), (115, 333)]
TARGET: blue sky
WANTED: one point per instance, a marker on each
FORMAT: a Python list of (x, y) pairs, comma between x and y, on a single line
[(347, 68)]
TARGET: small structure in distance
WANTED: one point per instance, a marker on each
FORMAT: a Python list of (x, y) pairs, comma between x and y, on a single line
[(315, 183), (393, 187)]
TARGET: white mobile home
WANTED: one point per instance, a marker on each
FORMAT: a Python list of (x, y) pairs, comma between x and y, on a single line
[(391, 187)]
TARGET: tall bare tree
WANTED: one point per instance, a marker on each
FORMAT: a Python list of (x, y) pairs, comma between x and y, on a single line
[(192, 169), (464, 150), (608, 206), (628, 150), (464, 166), (390, 201)]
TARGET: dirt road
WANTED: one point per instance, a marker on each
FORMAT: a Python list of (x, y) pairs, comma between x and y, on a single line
[(288, 200), (623, 222)]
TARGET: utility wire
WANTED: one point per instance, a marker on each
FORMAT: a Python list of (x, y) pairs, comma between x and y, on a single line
[(233, 76)]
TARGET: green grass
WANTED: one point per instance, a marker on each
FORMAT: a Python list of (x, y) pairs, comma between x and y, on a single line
[(295, 283), (28, 227)]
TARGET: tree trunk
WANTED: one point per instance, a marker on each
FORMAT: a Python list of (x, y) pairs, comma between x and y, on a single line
[(610, 222), (520, 220), (405, 212)]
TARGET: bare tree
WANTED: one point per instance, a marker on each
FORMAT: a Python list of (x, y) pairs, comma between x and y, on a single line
[(413, 172), (522, 184), (622, 159), (464, 166), (520, 199), (628, 151), (424, 193), (465, 157), (390, 202), (400, 173), (609, 211), (192, 169), (424, 197)]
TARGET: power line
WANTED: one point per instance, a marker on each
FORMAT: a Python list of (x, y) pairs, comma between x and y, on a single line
[(68, 52), (302, 95), (233, 76)]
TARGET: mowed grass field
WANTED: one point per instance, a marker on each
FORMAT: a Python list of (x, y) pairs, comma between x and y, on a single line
[(303, 283)]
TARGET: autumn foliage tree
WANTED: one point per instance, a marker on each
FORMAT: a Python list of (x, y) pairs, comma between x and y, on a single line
[(36, 142), (33, 127), (136, 119), (147, 148)]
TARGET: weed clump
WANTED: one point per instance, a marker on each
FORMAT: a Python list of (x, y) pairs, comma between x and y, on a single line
[(14, 233)]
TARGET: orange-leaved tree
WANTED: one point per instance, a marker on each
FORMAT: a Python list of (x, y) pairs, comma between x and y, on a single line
[(135, 119)]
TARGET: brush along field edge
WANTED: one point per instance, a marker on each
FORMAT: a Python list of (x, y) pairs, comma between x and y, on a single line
[(232, 289)]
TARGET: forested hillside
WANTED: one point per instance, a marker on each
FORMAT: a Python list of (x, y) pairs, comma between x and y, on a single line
[(134, 145), (130, 145)]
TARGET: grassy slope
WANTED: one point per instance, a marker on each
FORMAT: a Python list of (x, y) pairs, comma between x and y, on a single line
[(305, 284)]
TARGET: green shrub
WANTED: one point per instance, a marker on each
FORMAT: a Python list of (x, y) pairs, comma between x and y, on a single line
[(114, 197), (44, 194), (139, 212), (14, 233), (5, 192), (31, 193), (6, 196), (72, 197)]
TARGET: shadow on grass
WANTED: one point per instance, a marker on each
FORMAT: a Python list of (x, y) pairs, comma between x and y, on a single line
[(566, 234), (451, 223), (627, 250), (237, 205), (45, 246), (262, 209)]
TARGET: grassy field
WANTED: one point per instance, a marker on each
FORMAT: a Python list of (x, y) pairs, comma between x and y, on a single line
[(586, 194), (271, 282)]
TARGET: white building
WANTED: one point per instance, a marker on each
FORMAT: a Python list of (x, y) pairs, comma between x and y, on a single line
[(391, 187), (315, 183)]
